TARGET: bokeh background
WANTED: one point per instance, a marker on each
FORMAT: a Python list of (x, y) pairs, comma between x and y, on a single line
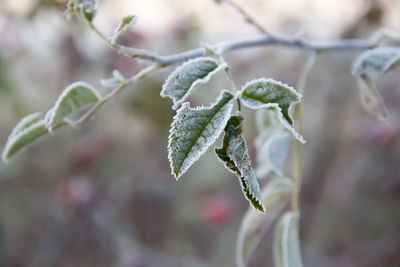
[(103, 195)]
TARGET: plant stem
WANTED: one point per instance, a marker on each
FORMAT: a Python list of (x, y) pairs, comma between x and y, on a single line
[(298, 164), (248, 18), (116, 91), (227, 46)]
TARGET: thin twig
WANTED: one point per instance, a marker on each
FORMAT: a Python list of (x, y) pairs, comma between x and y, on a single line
[(227, 46), (116, 91), (249, 19), (303, 80)]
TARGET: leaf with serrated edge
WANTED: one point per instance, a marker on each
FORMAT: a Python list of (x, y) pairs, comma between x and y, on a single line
[(181, 82), (275, 196), (74, 97), (371, 98), (275, 96), (377, 60), (235, 156), (194, 130), (286, 241)]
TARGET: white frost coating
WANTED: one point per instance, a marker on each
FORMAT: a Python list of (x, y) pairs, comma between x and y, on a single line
[(389, 55), (178, 102), (274, 106), (51, 114), (12, 138), (117, 80), (192, 157), (255, 225), (29, 119)]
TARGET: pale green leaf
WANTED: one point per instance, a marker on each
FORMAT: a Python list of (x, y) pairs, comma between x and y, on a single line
[(72, 99), (371, 98), (117, 80), (22, 138), (193, 131), (275, 96), (25, 122), (287, 241), (272, 153), (188, 76), (275, 196), (125, 25), (377, 60), (234, 154)]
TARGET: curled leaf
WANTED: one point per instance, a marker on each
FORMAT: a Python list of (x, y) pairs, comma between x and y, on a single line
[(377, 60), (371, 98), (72, 99), (193, 131), (275, 96), (254, 226), (234, 154), (188, 76), (287, 241)]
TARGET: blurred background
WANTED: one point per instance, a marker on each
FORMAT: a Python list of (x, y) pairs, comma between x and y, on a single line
[(103, 195)]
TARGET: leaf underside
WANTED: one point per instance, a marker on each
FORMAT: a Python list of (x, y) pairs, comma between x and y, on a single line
[(286, 241), (73, 98), (193, 131), (371, 98), (185, 78), (377, 60), (275, 96), (254, 226), (234, 154)]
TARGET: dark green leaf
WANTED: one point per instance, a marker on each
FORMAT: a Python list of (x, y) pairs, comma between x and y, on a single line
[(235, 156)]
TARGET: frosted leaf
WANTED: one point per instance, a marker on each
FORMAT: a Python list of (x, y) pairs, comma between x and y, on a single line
[(21, 139), (272, 153), (275, 96), (125, 25), (194, 130), (117, 80), (234, 154), (188, 76), (371, 98), (25, 122), (287, 241), (377, 60), (73, 98), (275, 196)]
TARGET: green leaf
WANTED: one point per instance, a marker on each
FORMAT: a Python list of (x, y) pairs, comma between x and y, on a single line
[(73, 98), (275, 96), (254, 225), (193, 131), (25, 122), (377, 60), (287, 241), (88, 9), (188, 76), (371, 98), (235, 156), (125, 25), (117, 80), (272, 143), (21, 138), (272, 152), (28, 130)]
